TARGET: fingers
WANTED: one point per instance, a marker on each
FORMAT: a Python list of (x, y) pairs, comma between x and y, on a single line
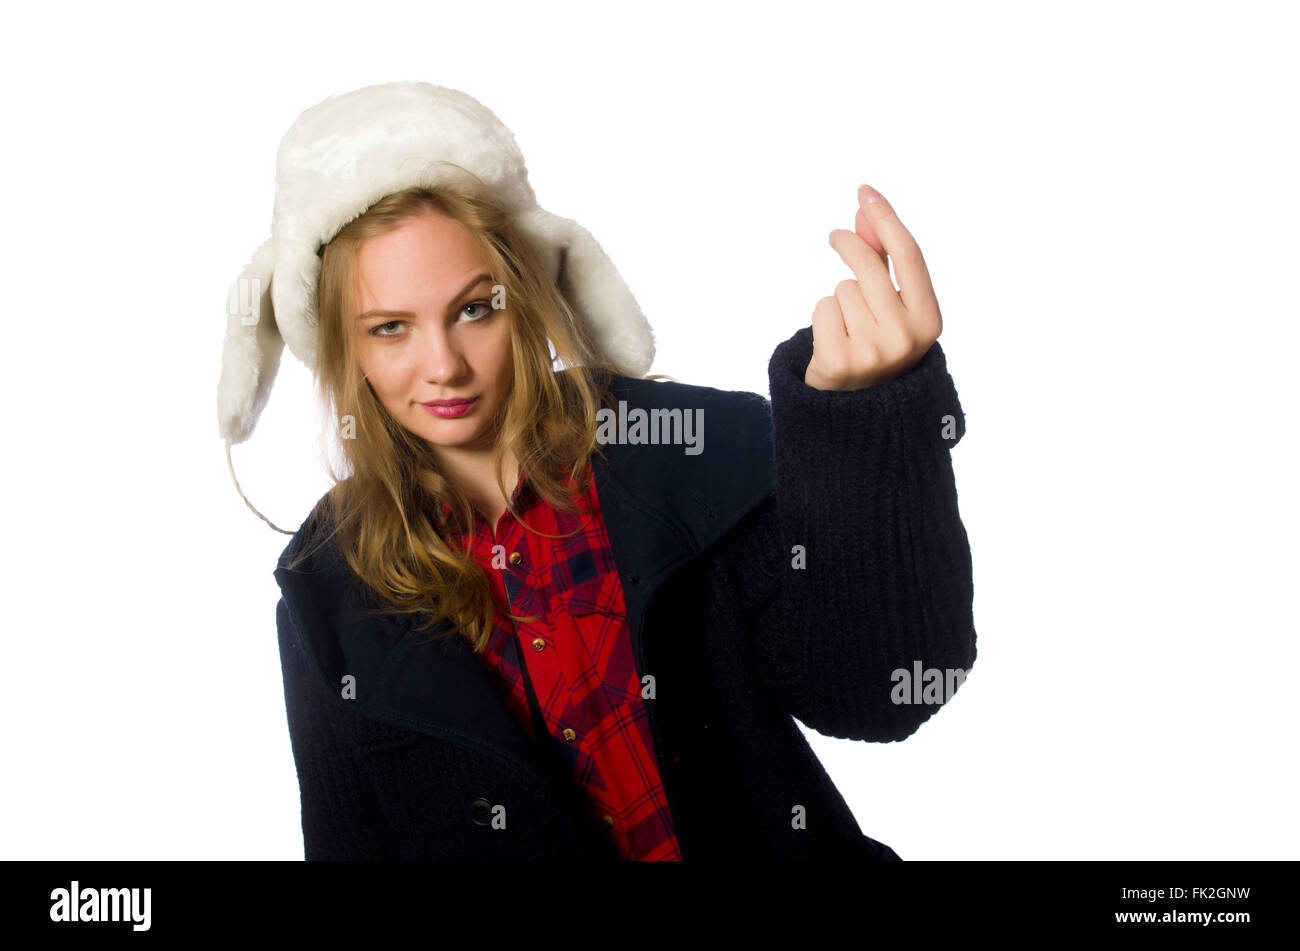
[(870, 331), (867, 233), (828, 327), (914, 283), (858, 317), (861, 357), (871, 271), (885, 336)]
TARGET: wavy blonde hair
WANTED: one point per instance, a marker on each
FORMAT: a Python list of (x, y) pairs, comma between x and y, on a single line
[(386, 514)]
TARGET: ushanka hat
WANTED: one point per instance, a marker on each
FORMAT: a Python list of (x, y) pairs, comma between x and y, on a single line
[(339, 158)]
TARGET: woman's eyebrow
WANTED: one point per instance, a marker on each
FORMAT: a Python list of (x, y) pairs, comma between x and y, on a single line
[(380, 312)]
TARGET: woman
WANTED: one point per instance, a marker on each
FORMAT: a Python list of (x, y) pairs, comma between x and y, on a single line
[(570, 613)]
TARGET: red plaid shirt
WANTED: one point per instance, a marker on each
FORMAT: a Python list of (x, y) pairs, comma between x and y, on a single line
[(580, 661)]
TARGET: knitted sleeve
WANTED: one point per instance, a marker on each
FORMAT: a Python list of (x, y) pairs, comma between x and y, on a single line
[(869, 586), (340, 816)]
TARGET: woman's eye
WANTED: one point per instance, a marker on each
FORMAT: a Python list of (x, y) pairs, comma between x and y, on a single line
[(375, 331), (482, 316)]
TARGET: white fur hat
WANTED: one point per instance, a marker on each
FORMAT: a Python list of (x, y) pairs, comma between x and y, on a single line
[(339, 158)]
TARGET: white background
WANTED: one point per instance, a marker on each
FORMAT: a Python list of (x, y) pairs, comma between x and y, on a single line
[(1106, 198)]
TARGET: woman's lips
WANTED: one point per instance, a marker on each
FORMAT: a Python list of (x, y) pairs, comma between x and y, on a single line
[(452, 408)]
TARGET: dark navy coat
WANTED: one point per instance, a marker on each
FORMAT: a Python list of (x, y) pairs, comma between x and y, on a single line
[(790, 569)]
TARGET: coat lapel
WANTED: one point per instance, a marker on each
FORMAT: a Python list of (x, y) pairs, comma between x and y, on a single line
[(661, 508)]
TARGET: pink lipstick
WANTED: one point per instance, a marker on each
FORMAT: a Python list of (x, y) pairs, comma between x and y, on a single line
[(449, 409)]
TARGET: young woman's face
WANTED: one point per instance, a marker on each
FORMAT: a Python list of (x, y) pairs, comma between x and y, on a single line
[(427, 330)]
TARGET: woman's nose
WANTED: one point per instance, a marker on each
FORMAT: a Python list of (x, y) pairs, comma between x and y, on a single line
[(440, 359)]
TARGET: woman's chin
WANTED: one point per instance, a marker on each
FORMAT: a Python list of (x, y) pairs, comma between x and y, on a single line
[(447, 434)]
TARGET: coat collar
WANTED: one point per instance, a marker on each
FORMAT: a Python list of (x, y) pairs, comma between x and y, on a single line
[(661, 507)]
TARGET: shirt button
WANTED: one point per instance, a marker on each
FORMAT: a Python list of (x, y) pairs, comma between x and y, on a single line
[(515, 558), (607, 819), (538, 644), (569, 734)]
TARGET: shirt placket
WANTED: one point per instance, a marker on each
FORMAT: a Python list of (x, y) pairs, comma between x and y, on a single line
[(529, 556), (522, 587)]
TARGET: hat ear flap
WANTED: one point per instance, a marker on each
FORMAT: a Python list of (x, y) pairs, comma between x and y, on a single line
[(594, 289), (250, 355)]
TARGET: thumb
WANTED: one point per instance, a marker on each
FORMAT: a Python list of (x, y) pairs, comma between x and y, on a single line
[(867, 233)]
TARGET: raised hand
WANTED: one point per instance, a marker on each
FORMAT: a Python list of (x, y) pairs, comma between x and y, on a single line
[(869, 333)]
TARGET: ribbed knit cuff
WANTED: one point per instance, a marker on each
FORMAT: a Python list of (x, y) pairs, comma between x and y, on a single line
[(924, 393), (838, 450)]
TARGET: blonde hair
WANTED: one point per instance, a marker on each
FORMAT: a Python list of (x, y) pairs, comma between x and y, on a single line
[(387, 514)]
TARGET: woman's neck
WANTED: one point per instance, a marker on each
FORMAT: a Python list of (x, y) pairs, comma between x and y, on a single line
[(473, 474)]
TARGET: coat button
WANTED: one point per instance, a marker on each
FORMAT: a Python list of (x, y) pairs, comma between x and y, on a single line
[(607, 819), (515, 558), (569, 734), (538, 644), (480, 810)]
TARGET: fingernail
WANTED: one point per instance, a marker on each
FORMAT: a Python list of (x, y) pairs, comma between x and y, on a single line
[(868, 195)]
